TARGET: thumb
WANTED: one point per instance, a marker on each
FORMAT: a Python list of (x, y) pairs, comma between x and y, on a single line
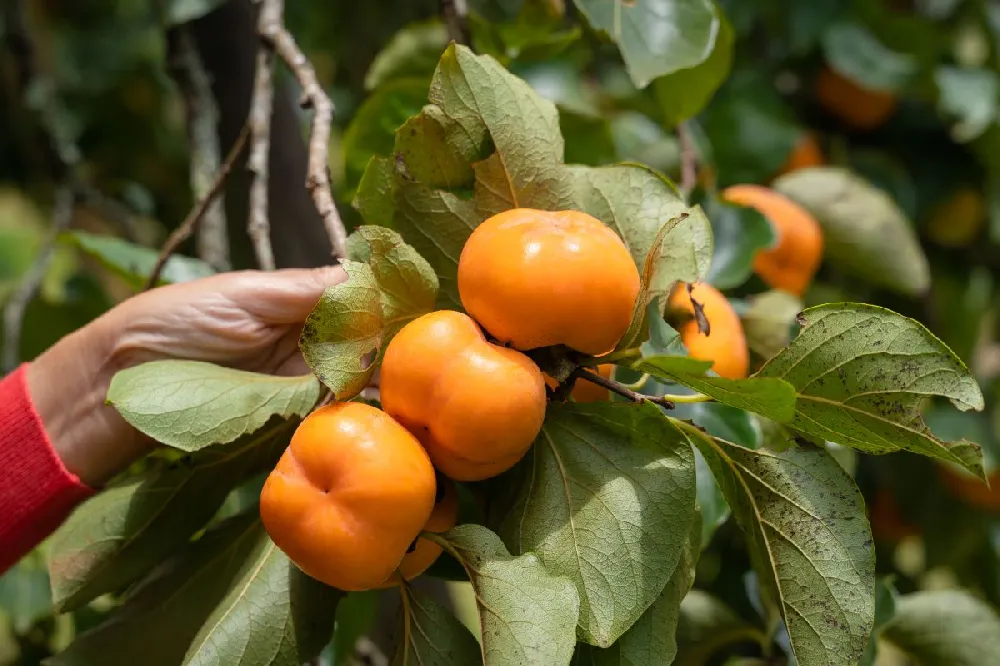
[(287, 296)]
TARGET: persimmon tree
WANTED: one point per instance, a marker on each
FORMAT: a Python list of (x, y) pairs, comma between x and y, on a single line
[(587, 551)]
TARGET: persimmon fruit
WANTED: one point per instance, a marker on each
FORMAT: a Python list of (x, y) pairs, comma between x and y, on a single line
[(793, 261), (535, 278), (475, 406), (971, 490), (424, 552), (855, 105), (725, 344), (806, 153), (349, 495)]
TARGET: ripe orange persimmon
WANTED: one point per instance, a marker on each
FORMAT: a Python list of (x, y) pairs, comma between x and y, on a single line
[(424, 552), (584, 391), (349, 495), (725, 344), (535, 278), (972, 490), (792, 263), (475, 406), (805, 154), (855, 105)]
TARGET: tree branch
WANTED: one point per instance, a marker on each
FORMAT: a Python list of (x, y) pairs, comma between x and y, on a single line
[(615, 387), (274, 33), (190, 223), (14, 311), (689, 160), (261, 106), (202, 120), (455, 12)]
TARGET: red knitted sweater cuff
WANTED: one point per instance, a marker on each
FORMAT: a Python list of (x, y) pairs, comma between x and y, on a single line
[(37, 492)]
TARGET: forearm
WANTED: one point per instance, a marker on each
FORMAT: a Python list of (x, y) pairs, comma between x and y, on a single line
[(68, 385)]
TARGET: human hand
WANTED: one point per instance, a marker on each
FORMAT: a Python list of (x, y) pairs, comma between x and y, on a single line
[(248, 320)]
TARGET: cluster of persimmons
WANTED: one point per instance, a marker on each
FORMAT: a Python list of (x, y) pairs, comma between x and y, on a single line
[(355, 495)]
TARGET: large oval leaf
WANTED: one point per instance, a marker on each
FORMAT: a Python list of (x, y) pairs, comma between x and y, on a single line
[(656, 37), (191, 404), (608, 503), (809, 542), (864, 231), (528, 615), (861, 374)]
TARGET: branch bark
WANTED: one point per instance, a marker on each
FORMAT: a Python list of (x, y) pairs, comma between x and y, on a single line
[(190, 223), (689, 160), (274, 33), (262, 103), (202, 121)]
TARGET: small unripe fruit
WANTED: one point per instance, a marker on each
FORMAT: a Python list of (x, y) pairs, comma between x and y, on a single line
[(535, 278)]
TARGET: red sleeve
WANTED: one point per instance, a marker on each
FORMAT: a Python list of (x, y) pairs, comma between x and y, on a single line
[(37, 492)]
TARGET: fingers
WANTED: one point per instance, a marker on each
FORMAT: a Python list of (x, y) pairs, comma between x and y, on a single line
[(286, 296)]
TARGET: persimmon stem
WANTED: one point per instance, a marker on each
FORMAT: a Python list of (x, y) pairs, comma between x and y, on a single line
[(615, 387), (613, 357)]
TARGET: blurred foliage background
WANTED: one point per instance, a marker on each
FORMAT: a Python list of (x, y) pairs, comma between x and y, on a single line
[(903, 93)]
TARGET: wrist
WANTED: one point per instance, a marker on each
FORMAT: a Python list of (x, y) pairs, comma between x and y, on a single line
[(68, 385)]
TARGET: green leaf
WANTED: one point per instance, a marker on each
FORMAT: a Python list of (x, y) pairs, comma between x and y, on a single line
[(24, 592), (770, 397), (344, 332), (885, 611), (656, 37), (431, 635), (853, 51), (372, 130), (356, 614), (637, 202), (647, 305), (969, 97), (809, 542), (134, 263), (768, 322), (209, 597), (129, 528), (178, 12), (374, 197), (407, 282), (945, 628), (588, 137), (528, 615), (652, 640), (638, 139), (347, 332), (609, 504), (752, 129), (865, 233), (861, 374), (706, 625), (192, 404), (272, 614), (739, 233), (412, 52), (684, 93)]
